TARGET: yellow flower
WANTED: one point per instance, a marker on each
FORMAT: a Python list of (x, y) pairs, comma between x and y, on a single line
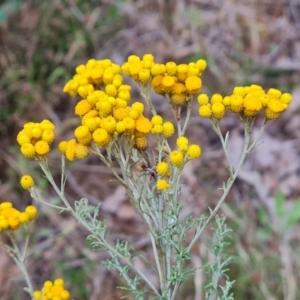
[(62, 147), (138, 106), (227, 101), (82, 107), (193, 84), (48, 136), (178, 99), (144, 76), (182, 143), (205, 111), (141, 143), (162, 185), (178, 88), (81, 151), (27, 150), (41, 148), (157, 120), (286, 98), (201, 64), (120, 127), (104, 107), (143, 125), (31, 211), (171, 68), (129, 124), (14, 223), (157, 69), (193, 152), (275, 106), (162, 169), (111, 90), (274, 93), (22, 138), (167, 83), (125, 95), (157, 129), (23, 217), (168, 129), (156, 83), (27, 182), (148, 57), (203, 99), (236, 103), (216, 98), (70, 150), (271, 115), (101, 137), (85, 90), (36, 132), (121, 113), (81, 132), (239, 90), (176, 158), (252, 103), (109, 124), (46, 124), (218, 110)]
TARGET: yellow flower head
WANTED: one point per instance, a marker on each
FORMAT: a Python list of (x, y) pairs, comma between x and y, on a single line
[(62, 147), (193, 152), (41, 148), (275, 105), (236, 103), (205, 111), (168, 129), (216, 98), (31, 211), (27, 150), (109, 124), (141, 143), (70, 150), (171, 68), (143, 125), (48, 136), (157, 120), (111, 90), (144, 76), (201, 64), (27, 182), (193, 84), (182, 143), (177, 158), (101, 137), (270, 114), (82, 107), (162, 169), (81, 151), (46, 124), (138, 106), (162, 185), (218, 110), (286, 98), (203, 99), (178, 99)]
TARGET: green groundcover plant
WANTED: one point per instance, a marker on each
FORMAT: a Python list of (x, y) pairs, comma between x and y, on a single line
[(118, 131)]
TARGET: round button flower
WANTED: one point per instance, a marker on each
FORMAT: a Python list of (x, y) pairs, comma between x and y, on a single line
[(162, 185), (162, 169), (193, 152), (27, 182), (176, 158)]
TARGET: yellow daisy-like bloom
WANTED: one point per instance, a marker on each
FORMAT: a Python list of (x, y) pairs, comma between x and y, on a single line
[(48, 136), (148, 57), (227, 101), (22, 138), (274, 93), (27, 182), (162, 169), (205, 111), (236, 103), (82, 107), (157, 120), (162, 185), (104, 107), (111, 90), (129, 124), (36, 132), (120, 127), (23, 217), (218, 110), (252, 103), (178, 88), (177, 158), (81, 151), (286, 98), (193, 152), (109, 124), (81, 132), (135, 68), (125, 95), (202, 99), (143, 125), (46, 124), (91, 123), (70, 150), (193, 70), (157, 69), (27, 150), (193, 84), (85, 90), (134, 114), (31, 211), (108, 77), (101, 137), (138, 106), (120, 103), (121, 113), (216, 98), (157, 129), (156, 83), (144, 76), (167, 83), (201, 64), (239, 90), (13, 223), (171, 68), (141, 143), (271, 115), (182, 143), (275, 105), (168, 129), (62, 147), (41, 148), (178, 99)]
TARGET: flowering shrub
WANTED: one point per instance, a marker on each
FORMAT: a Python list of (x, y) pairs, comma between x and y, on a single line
[(109, 121)]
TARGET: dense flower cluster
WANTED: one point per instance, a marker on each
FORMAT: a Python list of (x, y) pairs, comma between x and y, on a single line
[(52, 291), (247, 101), (35, 138), (12, 219)]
